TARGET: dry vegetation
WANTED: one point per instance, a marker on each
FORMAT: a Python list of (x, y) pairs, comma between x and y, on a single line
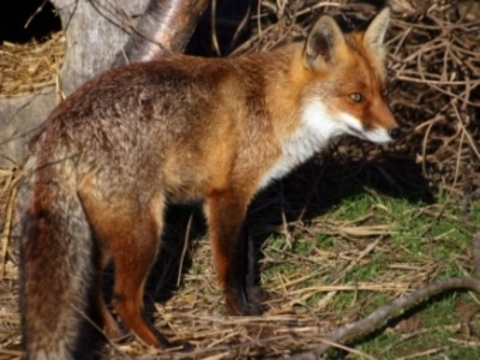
[(332, 252), (30, 67)]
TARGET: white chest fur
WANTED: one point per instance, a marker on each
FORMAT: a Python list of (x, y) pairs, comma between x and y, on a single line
[(317, 129)]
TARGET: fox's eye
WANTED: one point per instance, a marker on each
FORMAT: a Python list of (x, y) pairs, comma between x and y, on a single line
[(357, 97)]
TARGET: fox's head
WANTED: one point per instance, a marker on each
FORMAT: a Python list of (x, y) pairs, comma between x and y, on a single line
[(347, 91)]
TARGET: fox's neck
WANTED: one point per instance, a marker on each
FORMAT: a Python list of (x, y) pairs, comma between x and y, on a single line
[(301, 125)]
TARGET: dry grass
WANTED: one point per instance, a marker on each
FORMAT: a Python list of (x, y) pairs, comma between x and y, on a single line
[(312, 266), (28, 68), (435, 64)]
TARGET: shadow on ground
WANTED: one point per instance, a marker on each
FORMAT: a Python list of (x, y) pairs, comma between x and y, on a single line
[(310, 191)]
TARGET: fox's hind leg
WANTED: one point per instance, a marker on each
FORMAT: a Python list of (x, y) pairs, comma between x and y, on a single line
[(105, 318), (132, 266), (130, 230)]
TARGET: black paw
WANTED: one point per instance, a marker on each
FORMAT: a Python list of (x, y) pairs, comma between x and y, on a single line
[(238, 306), (253, 309), (257, 294)]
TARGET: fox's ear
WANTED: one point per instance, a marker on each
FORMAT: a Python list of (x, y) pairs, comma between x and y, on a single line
[(375, 34), (323, 42)]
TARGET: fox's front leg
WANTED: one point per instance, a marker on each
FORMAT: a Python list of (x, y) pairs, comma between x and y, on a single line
[(226, 213)]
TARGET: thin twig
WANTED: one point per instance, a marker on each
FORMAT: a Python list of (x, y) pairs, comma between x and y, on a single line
[(380, 316)]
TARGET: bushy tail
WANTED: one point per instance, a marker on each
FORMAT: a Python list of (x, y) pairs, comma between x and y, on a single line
[(57, 269)]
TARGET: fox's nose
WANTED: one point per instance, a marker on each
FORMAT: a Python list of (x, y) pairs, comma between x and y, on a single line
[(395, 133)]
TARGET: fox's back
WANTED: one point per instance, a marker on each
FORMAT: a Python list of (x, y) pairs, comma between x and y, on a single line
[(170, 121)]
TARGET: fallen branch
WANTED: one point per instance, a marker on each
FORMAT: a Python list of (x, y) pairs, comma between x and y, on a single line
[(379, 317)]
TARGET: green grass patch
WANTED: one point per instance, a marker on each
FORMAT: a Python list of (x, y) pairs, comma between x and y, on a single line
[(420, 243)]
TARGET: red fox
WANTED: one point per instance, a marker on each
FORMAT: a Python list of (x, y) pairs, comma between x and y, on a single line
[(133, 139)]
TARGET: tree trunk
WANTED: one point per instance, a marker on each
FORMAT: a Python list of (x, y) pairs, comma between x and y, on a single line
[(165, 28), (95, 31)]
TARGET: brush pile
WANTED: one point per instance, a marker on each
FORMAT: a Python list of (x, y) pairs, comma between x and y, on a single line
[(434, 64)]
